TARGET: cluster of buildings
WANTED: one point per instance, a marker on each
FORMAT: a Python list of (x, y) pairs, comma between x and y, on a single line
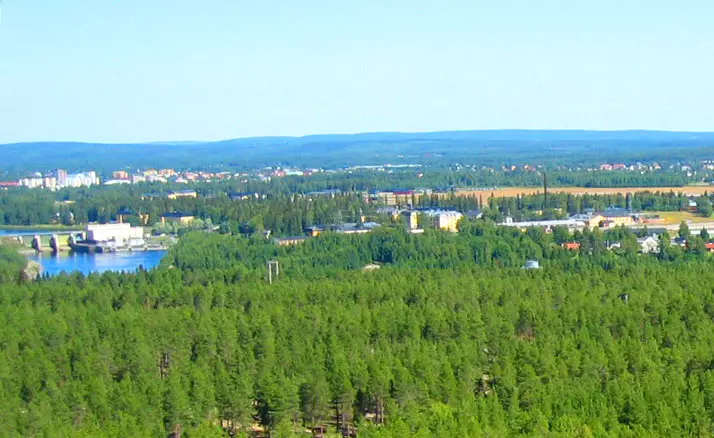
[(167, 175), (59, 179), (361, 227), (447, 220), (609, 218), (397, 197), (189, 176)]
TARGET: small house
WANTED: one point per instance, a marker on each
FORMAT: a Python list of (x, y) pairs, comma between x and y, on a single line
[(532, 264), (648, 244)]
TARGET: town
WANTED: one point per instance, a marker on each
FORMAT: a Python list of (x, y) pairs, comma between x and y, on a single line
[(702, 171)]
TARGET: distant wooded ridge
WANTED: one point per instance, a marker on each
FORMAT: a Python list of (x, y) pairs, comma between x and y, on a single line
[(445, 147)]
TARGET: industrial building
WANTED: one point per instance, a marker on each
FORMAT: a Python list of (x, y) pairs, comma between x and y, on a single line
[(120, 234), (548, 225)]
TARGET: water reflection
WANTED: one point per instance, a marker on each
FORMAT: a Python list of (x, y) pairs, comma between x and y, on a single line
[(53, 264)]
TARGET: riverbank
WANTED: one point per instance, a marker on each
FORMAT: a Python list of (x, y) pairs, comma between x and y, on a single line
[(42, 227)]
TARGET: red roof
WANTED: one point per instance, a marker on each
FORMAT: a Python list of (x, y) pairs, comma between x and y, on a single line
[(571, 245), (9, 184)]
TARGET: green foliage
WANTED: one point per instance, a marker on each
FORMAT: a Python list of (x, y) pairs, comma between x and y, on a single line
[(11, 263), (451, 337)]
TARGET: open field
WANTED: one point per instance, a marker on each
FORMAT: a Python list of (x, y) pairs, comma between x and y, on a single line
[(507, 192), (676, 217)]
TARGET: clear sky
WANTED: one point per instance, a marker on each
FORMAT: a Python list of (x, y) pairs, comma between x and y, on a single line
[(152, 70)]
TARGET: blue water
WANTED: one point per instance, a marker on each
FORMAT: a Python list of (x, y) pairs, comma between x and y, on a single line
[(87, 263), (4, 232)]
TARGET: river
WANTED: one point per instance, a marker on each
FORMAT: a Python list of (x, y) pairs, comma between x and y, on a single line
[(5, 232), (88, 263)]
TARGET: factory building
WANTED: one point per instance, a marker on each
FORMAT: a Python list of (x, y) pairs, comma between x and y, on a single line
[(121, 234)]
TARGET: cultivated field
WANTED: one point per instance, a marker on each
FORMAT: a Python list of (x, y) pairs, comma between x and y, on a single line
[(676, 217), (514, 191)]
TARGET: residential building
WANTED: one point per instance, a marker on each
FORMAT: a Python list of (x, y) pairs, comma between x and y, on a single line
[(413, 220), (183, 194), (648, 244), (81, 179), (449, 221), (32, 183), (547, 225), (288, 241), (314, 230), (177, 217), (474, 214), (590, 220), (61, 177), (571, 246), (120, 174), (532, 264)]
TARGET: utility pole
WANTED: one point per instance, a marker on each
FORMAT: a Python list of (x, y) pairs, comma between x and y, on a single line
[(273, 267), (545, 190)]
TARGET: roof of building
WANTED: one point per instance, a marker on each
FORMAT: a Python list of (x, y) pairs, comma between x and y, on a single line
[(351, 226), (325, 192), (646, 238), (291, 238), (615, 212), (547, 223), (439, 212), (176, 214)]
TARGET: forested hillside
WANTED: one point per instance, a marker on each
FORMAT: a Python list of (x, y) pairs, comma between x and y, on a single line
[(487, 147), (451, 337)]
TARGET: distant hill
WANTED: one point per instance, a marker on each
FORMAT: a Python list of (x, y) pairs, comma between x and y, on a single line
[(487, 147)]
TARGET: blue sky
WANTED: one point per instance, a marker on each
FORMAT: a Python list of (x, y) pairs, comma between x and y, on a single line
[(153, 70)]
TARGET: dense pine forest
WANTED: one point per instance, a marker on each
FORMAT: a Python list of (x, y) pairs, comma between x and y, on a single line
[(450, 337), (290, 209)]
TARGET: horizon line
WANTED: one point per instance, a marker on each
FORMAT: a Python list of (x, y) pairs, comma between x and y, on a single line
[(352, 134)]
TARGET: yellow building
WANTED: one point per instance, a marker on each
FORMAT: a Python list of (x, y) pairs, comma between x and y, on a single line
[(413, 220), (616, 218), (175, 217), (183, 194), (449, 221)]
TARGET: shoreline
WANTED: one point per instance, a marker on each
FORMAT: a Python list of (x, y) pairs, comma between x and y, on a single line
[(42, 227)]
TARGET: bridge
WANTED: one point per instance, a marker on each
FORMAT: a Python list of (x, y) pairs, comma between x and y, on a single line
[(12, 235), (44, 239)]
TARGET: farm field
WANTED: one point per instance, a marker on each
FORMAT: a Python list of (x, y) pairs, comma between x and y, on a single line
[(515, 191)]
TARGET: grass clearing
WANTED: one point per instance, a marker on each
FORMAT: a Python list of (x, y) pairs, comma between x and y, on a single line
[(676, 217)]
